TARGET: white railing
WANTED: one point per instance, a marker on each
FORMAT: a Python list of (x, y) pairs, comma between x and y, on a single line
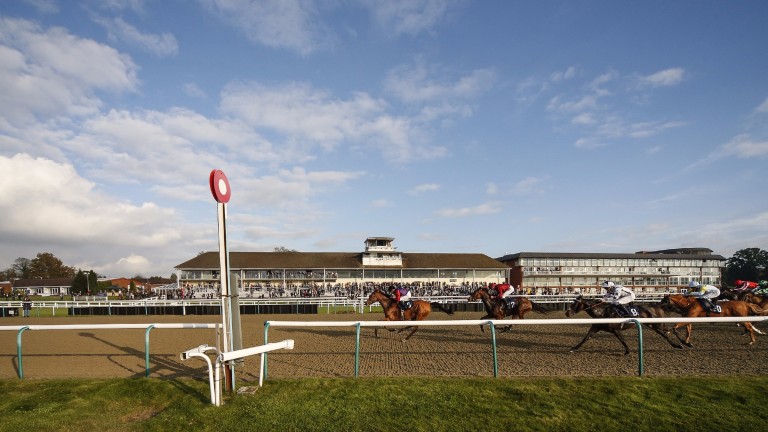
[(493, 323), (20, 329), (322, 302)]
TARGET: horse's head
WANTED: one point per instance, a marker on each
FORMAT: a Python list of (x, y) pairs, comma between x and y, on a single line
[(677, 300), (374, 297), (478, 294), (578, 305)]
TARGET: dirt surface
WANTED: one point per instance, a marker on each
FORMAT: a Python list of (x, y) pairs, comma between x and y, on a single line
[(719, 349)]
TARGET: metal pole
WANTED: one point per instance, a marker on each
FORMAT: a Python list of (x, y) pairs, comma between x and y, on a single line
[(18, 351), (357, 350), (640, 368), (146, 348), (495, 355), (266, 337)]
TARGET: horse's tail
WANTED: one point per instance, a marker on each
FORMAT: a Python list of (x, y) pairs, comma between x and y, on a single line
[(539, 308), (442, 307)]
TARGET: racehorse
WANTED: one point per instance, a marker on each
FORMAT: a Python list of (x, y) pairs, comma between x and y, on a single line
[(757, 299), (591, 307), (692, 308), (731, 294), (494, 308), (418, 312)]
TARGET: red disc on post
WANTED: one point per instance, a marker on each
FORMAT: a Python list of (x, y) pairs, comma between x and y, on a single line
[(220, 186)]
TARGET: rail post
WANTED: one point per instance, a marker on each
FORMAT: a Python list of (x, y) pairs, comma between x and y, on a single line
[(357, 349), (18, 351), (640, 367), (146, 347), (495, 355), (266, 340)]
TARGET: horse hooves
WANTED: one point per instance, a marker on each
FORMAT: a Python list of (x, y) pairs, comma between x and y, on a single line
[(689, 345), (678, 346)]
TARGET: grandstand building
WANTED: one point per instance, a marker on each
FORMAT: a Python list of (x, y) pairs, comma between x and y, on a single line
[(312, 273), (668, 270)]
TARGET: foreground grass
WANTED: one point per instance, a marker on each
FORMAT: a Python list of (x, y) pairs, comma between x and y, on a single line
[(521, 404)]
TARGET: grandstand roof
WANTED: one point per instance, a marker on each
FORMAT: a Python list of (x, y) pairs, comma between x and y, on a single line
[(337, 260)]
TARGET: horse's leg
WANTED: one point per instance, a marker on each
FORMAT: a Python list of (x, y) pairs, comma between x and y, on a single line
[(592, 330), (665, 334), (617, 333), (407, 316), (412, 332), (689, 330), (748, 325), (683, 341)]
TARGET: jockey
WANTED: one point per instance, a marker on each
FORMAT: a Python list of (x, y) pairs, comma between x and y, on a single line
[(704, 293), (503, 291), (762, 288), (402, 297), (744, 285), (619, 296)]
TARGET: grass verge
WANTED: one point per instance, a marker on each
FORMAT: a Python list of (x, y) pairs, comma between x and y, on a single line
[(439, 404)]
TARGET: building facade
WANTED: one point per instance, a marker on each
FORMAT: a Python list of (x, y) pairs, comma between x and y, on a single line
[(309, 273), (667, 270)]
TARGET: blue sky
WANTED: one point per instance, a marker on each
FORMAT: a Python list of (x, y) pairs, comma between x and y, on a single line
[(488, 127)]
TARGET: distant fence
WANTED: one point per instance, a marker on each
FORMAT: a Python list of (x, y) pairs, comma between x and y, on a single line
[(249, 306)]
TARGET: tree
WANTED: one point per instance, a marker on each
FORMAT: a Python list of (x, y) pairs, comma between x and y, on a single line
[(21, 268), (747, 264), (80, 283), (283, 249), (47, 266), (93, 282)]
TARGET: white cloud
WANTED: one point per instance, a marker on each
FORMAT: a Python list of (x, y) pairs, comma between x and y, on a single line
[(664, 78), (162, 45), (308, 117), (491, 188), (194, 90), (381, 203), (50, 206), (763, 107), (426, 187), (743, 147), (45, 6), (419, 84), (567, 74), (479, 210), (527, 186), (52, 73), (290, 24), (410, 16)]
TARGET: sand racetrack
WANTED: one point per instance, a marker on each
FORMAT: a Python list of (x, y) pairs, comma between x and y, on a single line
[(719, 349)]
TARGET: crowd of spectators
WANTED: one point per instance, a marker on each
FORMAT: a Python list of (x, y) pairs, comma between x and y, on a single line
[(354, 290)]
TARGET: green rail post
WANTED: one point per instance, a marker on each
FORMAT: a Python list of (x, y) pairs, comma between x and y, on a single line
[(495, 355), (640, 368), (18, 351), (266, 338), (357, 350), (146, 347)]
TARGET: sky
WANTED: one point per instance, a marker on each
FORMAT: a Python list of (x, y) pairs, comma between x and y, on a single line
[(453, 126)]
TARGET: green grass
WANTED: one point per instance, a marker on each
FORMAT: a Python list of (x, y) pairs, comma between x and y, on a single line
[(439, 404)]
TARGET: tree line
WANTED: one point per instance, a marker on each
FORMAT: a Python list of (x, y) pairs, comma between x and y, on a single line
[(745, 264), (46, 265)]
